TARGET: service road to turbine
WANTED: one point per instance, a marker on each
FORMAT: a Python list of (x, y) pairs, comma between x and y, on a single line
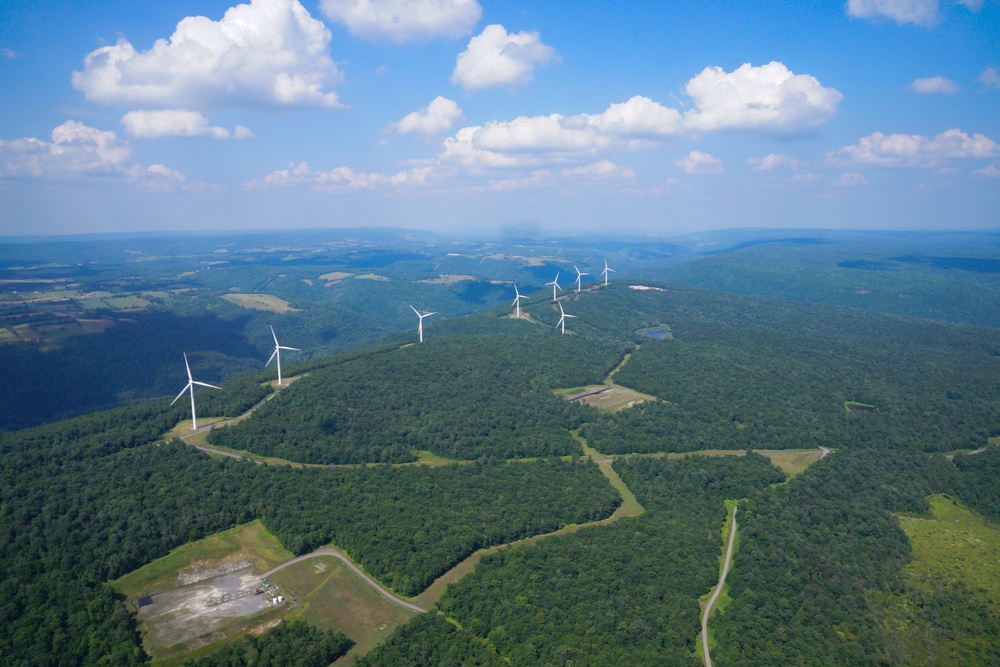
[(718, 590)]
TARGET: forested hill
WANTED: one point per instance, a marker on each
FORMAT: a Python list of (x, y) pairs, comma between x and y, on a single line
[(738, 372)]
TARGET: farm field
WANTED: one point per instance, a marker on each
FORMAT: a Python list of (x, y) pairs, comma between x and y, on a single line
[(266, 302)]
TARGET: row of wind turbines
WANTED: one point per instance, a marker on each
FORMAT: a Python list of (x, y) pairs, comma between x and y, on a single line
[(278, 347), (189, 387), (555, 299)]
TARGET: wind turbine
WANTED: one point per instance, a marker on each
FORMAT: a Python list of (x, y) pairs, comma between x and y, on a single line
[(277, 353), (190, 386), (605, 272), (517, 300), (562, 319), (420, 325), (555, 286), (578, 276)]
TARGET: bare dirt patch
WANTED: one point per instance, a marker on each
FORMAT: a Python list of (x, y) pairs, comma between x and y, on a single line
[(191, 616), (611, 397)]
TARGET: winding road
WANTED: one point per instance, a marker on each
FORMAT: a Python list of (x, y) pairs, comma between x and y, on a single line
[(718, 590)]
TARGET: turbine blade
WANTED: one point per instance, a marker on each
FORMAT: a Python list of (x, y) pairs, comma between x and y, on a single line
[(181, 394), (271, 358), (273, 335), (415, 310), (429, 314), (187, 366), (289, 348), (204, 384)]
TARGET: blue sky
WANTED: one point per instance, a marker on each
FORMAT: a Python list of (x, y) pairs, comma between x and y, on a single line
[(463, 115)]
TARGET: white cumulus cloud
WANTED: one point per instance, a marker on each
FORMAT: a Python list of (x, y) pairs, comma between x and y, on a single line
[(989, 78), (697, 163), (935, 84), (498, 58), (638, 117), (850, 179), (918, 12), (76, 149), (339, 179), (769, 98), (914, 150), (437, 117), (772, 162), (177, 123), (267, 53), (603, 170), (989, 171), (404, 20)]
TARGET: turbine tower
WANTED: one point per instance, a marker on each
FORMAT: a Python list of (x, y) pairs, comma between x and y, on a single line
[(277, 353), (562, 318), (517, 301), (605, 272), (190, 386), (420, 325), (578, 276), (555, 286)]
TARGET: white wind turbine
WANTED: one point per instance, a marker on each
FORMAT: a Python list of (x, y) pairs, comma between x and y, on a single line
[(190, 386), (517, 301), (420, 325), (555, 286), (277, 352), (605, 272), (562, 319), (578, 276)]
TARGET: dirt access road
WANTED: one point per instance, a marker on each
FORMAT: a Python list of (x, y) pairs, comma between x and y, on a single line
[(718, 590)]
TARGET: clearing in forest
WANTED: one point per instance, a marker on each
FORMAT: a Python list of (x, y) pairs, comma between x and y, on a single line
[(332, 597), (955, 545), (267, 302), (204, 591), (609, 396)]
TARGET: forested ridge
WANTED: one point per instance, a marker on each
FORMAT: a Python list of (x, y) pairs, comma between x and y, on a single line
[(460, 396)]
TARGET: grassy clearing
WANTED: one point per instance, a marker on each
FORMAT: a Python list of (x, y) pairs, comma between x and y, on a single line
[(946, 610), (335, 598), (957, 544), (427, 458), (267, 302), (249, 541)]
